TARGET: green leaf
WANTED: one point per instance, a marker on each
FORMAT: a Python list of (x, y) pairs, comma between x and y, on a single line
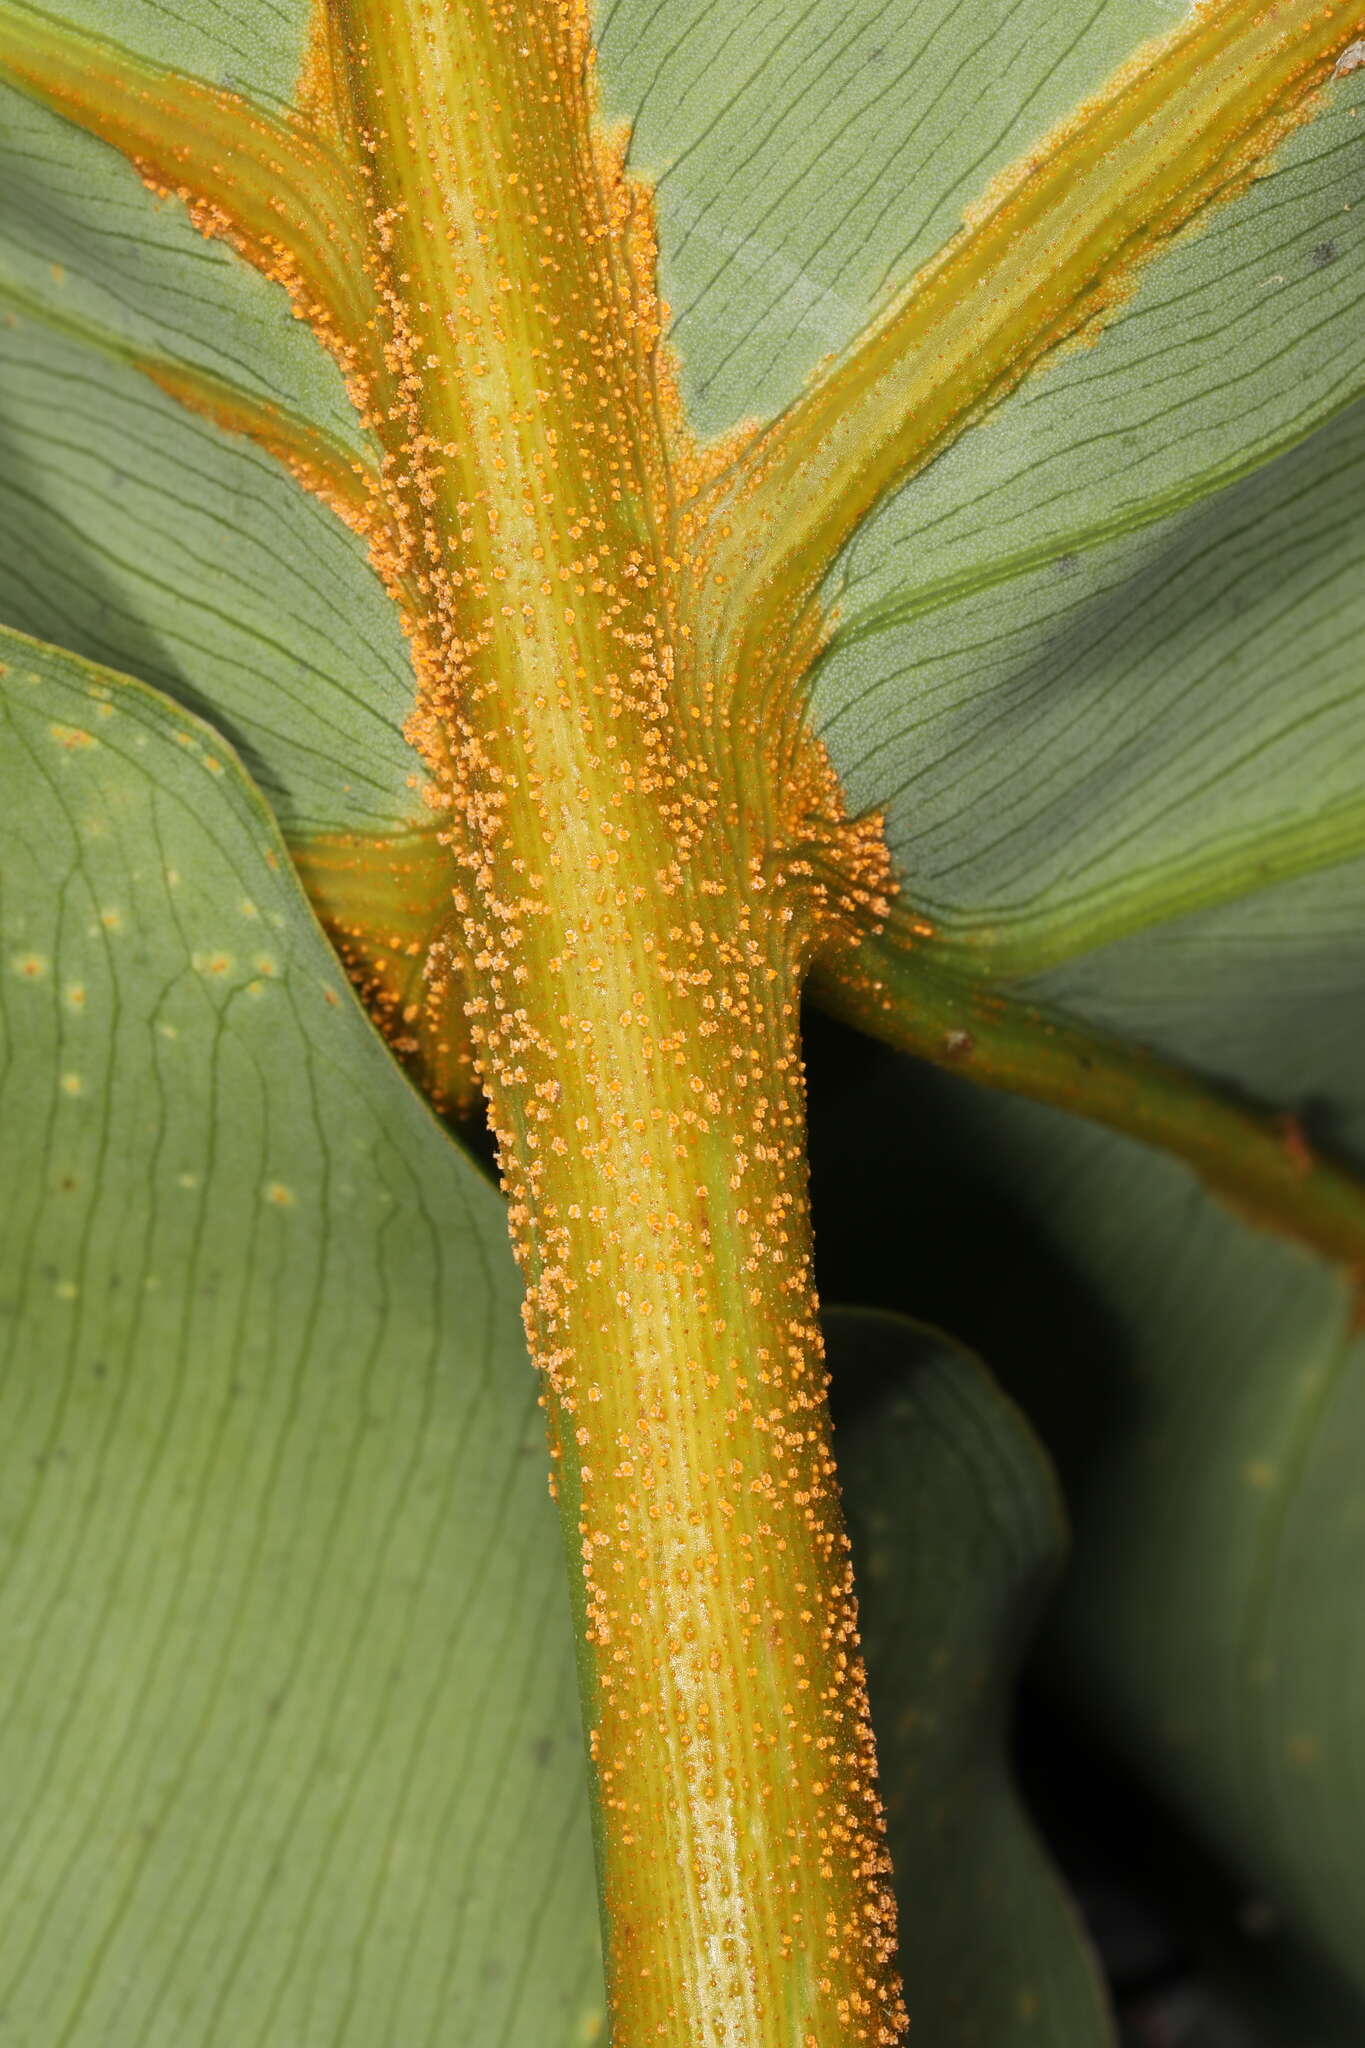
[(814, 155), (293, 1729), (1116, 733), (1267, 991), (291, 1732), (86, 246), (1095, 664), (810, 163), (958, 1535), (1213, 1616), (1094, 745), (1084, 720), (142, 536), (1240, 340), (1202, 1387), (253, 46), (155, 541)]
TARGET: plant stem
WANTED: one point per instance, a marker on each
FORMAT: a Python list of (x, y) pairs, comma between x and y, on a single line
[(634, 912), (1257, 1163), (940, 998)]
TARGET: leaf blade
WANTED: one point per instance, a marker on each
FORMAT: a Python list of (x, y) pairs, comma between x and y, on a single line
[(1042, 259), (151, 540), (297, 1655), (1075, 756), (958, 1533)]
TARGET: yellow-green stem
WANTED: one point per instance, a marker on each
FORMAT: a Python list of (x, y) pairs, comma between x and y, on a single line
[(1260, 1164), (633, 926)]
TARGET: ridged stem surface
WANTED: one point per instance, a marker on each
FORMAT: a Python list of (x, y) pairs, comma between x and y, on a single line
[(634, 922)]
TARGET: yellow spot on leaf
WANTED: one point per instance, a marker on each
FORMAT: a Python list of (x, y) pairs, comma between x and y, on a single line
[(72, 737)]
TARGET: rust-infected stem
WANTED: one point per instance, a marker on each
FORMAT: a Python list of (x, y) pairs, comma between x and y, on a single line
[(634, 840), (632, 928)]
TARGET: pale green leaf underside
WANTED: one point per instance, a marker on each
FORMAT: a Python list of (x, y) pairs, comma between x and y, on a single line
[(809, 155), (958, 1535), (810, 158), (145, 537), (1267, 992), (84, 242), (806, 163), (252, 46), (151, 540), (290, 1727), (840, 147), (1213, 1614), (1118, 737), (1242, 337), (1059, 758)]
